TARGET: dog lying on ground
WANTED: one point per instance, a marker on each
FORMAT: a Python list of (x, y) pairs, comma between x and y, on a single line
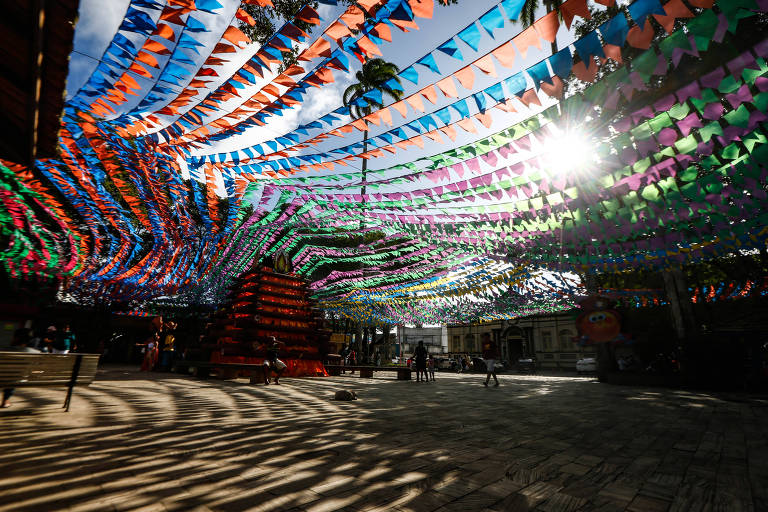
[(343, 394)]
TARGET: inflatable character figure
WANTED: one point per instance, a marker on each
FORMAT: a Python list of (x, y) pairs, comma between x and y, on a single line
[(598, 322)]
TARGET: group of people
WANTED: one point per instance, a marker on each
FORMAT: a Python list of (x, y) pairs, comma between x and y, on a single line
[(52, 341), (425, 362), (160, 348)]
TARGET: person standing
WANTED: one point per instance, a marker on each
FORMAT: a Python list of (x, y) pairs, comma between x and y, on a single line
[(48, 339), (490, 354), (420, 354), (152, 350), (19, 344), (169, 348), (431, 367), (64, 341)]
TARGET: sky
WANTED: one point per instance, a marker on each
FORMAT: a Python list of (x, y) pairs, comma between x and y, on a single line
[(99, 20)]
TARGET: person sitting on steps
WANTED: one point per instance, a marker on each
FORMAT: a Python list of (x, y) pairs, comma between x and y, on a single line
[(272, 363)]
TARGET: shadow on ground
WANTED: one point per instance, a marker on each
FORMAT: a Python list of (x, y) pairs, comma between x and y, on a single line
[(137, 441)]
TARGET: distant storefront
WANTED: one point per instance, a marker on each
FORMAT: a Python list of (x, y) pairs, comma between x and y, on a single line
[(435, 339), (549, 339)]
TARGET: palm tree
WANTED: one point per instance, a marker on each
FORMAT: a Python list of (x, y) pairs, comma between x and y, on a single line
[(528, 14), (373, 76)]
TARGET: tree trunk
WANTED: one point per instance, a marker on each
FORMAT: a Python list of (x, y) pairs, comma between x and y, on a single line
[(683, 317), (358, 339), (365, 163)]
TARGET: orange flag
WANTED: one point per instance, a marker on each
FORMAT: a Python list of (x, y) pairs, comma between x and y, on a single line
[(485, 118), (587, 74), (320, 48), (373, 117), (640, 38), (507, 106), (353, 17), (338, 31), (429, 93), (382, 31), (235, 36), (415, 102), (505, 54), (525, 39), (156, 47), (165, 31), (245, 17), (573, 8), (139, 70), (613, 51), (368, 5), (467, 125), (466, 77), (400, 107), (386, 116), (360, 124), (368, 47), (674, 9), (447, 87), (555, 89), (260, 3), (485, 64), (529, 97), (547, 26), (422, 8), (148, 59)]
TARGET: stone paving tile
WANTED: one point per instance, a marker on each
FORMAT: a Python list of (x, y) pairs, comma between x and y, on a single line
[(137, 441)]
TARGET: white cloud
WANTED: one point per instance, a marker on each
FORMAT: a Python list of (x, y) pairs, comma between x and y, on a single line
[(98, 20)]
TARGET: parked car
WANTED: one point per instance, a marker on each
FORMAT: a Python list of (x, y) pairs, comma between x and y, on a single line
[(586, 365), (526, 365), (445, 363)]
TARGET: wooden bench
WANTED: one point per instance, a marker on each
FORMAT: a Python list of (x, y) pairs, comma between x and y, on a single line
[(403, 372), (255, 371), (27, 369)]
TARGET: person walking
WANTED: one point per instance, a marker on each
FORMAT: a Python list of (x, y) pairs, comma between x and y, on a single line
[(151, 353), (19, 344), (431, 367), (420, 354), (344, 353), (490, 354), (352, 359)]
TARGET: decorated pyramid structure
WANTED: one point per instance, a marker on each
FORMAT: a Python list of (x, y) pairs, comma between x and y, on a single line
[(264, 303)]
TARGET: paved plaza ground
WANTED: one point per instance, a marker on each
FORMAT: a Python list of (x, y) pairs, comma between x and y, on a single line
[(138, 441)]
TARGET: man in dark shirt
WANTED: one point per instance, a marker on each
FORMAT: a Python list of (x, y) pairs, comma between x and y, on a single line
[(490, 354), (420, 354)]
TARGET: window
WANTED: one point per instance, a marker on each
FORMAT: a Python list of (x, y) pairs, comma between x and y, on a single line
[(456, 344), (546, 340), (565, 337), (469, 341)]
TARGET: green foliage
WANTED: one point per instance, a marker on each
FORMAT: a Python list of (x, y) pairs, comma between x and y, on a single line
[(269, 19), (528, 14), (372, 76)]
